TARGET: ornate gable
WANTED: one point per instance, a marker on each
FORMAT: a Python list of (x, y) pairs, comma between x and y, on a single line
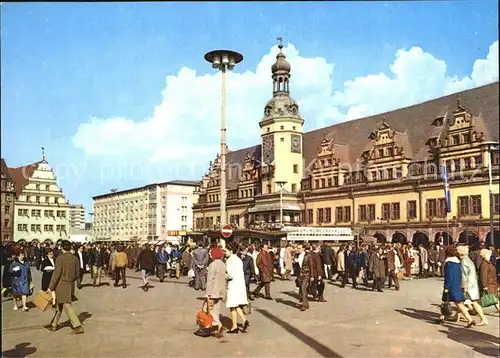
[(384, 143), (463, 128)]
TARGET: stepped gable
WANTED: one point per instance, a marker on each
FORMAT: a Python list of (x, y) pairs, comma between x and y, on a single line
[(21, 175)]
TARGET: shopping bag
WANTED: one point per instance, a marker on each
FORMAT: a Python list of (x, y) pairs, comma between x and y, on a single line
[(247, 309), (42, 300), (204, 319), (488, 299)]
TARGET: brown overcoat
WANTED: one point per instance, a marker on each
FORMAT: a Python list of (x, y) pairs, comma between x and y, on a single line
[(265, 265), (64, 277), (488, 277), (377, 265)]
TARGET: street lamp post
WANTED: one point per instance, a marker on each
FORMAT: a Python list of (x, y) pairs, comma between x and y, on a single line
[(490, 146), (281, 184), (223, 60)]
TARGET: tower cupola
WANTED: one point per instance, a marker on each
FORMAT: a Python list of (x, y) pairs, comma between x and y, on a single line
[(281, 72)]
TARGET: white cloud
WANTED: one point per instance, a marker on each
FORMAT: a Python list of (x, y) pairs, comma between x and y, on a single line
[(185, 125)]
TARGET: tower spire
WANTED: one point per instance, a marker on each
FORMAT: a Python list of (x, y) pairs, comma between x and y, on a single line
[(280, 43), (43, 154)]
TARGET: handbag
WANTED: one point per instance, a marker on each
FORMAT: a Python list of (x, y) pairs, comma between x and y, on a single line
[(204, 319), (445, 304), (247, 309), (488, 299)]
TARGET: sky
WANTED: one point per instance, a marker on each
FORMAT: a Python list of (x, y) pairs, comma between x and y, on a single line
[(120, 96)]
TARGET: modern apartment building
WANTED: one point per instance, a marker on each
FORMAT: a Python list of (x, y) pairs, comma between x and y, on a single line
[(151, 212), (77, 216), (40, 209)]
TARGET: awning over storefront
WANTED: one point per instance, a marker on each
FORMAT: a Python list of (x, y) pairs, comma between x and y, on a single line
[(261, 208)]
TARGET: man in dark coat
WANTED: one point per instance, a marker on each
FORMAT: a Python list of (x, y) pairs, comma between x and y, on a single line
[(63, 285), (328, 260), (83, 261), (306, 275), (318, 273), (265, 266), (147, 264), (378, 268), (97, 262), (200, 265), (351, 267), (391, 265), (248, 269)]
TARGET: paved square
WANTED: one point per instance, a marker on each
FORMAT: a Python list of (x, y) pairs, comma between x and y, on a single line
[(353, 323)]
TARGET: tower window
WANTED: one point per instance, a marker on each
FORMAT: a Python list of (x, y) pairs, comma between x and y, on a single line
[(282, 127), (293, 127), (268, 129), (295, 168), (282, 139)]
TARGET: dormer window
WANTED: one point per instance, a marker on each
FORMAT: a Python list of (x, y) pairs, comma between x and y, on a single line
[(438, 122), (389, 152), (455, 139), (466, 137), (380, 153)]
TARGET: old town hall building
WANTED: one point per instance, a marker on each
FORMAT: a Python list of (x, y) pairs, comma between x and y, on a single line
[(378, 175)]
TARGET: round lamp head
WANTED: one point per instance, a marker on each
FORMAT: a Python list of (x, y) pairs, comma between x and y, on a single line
[(224, 58)]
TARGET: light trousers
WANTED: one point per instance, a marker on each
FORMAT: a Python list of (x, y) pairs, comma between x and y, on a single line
[(144, 276), (70, 312)]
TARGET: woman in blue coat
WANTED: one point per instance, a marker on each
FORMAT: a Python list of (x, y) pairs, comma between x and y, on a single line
[(21, 280), (453, 283)]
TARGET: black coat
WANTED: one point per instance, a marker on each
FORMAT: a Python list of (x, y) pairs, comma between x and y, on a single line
[(248, 268), (97, 258), (147, 260), (85, 258), (327, 255), (6, 277), (46, 274)]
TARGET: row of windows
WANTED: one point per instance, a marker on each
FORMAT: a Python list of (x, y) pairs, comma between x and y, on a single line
[(47, 199), (37, 213), (38, 228), (435, 208), (46, 187)]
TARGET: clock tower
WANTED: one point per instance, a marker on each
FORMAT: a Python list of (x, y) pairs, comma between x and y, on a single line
[(281, 132)]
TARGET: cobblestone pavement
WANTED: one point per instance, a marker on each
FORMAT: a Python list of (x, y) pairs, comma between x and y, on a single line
[(353, 323)]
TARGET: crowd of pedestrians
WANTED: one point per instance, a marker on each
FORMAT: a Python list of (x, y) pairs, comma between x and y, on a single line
[(226, 275)]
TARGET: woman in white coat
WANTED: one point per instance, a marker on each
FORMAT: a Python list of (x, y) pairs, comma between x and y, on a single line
[(470, 283), (236, 290)]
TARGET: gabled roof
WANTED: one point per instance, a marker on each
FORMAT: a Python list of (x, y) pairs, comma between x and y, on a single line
[(5, 169), (21, 175), (414, 125)]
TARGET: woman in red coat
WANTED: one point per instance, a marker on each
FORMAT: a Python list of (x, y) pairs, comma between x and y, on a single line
[(265, 266)]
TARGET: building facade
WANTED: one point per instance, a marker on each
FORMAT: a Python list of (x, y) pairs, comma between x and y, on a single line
[(161, 211), (8, 198), (379, 175), (77, 216), (41, 211)]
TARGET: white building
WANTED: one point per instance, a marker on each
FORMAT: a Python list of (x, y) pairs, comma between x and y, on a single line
[(77, 216), (41, 210), (161, 211)]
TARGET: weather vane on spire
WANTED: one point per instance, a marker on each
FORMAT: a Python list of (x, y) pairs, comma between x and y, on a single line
[(280, 42), (43, 153)]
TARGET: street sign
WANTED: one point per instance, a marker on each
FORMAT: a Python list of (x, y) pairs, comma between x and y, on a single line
[(226, 231)]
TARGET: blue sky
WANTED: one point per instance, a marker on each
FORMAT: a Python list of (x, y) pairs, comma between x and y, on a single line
[(105, 65)]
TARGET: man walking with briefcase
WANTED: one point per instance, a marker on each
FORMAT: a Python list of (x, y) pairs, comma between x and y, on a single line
[(63, 285)]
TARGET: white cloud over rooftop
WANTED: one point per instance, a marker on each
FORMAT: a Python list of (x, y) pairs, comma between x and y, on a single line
[(185, 126)]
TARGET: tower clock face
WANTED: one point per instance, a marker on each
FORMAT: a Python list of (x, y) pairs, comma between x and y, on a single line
[(296, 144), (268, 149)]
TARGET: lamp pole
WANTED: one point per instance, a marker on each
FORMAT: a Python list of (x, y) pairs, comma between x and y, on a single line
[(490, 146), (223, 60), (281, 184)]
